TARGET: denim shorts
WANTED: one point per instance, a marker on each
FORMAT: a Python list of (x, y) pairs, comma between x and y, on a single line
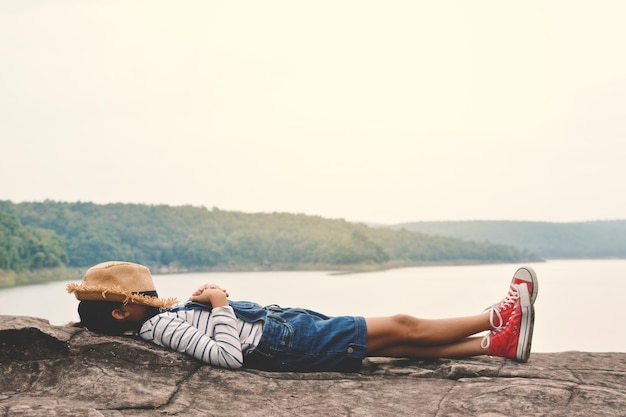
[(300, 340)]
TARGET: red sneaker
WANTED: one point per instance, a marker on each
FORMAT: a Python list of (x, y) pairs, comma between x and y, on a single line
[(514, 339), (499, 313)]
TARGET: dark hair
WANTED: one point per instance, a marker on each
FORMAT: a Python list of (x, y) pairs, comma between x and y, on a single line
[(96, 316)]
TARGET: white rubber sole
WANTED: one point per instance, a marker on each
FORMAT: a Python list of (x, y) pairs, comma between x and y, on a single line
[(527, 323)]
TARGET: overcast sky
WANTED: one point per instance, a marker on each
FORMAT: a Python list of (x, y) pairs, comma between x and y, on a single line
[(374, 111)]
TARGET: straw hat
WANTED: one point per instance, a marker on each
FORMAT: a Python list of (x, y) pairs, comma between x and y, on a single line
[(119, 281)]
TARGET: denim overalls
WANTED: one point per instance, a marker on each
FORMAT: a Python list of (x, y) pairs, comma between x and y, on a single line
[(301, 340)]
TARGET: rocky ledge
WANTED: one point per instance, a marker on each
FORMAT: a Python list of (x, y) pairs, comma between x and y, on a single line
[(50, 370)]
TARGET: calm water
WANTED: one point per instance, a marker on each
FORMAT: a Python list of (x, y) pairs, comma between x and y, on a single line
[(579, 306)]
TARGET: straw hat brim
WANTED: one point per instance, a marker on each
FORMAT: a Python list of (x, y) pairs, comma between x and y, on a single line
[(100, 293)]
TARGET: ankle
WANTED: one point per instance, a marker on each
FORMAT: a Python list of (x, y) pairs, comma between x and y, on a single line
[(489, 320)]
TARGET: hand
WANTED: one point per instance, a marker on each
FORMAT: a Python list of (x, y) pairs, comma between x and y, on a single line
[(209, 287), (212, 294)]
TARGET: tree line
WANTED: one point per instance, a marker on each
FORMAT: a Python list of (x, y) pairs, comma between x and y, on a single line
[(575, 240), (50, 233), (23, 247)]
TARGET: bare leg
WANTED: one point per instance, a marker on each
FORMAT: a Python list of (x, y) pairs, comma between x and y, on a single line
[(465, 348), (402, 334)]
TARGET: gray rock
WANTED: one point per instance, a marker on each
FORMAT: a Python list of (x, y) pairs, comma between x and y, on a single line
[(50, 370)]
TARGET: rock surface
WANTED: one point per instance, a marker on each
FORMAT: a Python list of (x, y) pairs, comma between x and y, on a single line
[(50, 370)]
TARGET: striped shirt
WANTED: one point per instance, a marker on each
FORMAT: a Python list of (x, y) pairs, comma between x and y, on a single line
[(216, 337)]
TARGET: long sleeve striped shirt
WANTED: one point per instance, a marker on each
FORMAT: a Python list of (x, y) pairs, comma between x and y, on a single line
[(216, 337)]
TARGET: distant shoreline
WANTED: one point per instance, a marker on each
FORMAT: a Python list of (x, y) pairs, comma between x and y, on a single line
[(42, 276)]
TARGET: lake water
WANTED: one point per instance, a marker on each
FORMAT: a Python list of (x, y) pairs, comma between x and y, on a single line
[(579, 306)]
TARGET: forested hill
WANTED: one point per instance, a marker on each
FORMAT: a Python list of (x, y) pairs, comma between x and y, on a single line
[(83, 234), (597, 239)]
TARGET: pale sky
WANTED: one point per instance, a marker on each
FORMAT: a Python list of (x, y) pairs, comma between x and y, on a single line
[(373, 111)]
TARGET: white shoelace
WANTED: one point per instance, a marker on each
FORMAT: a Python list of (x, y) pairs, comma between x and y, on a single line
[(486, 342), (507, 302)]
